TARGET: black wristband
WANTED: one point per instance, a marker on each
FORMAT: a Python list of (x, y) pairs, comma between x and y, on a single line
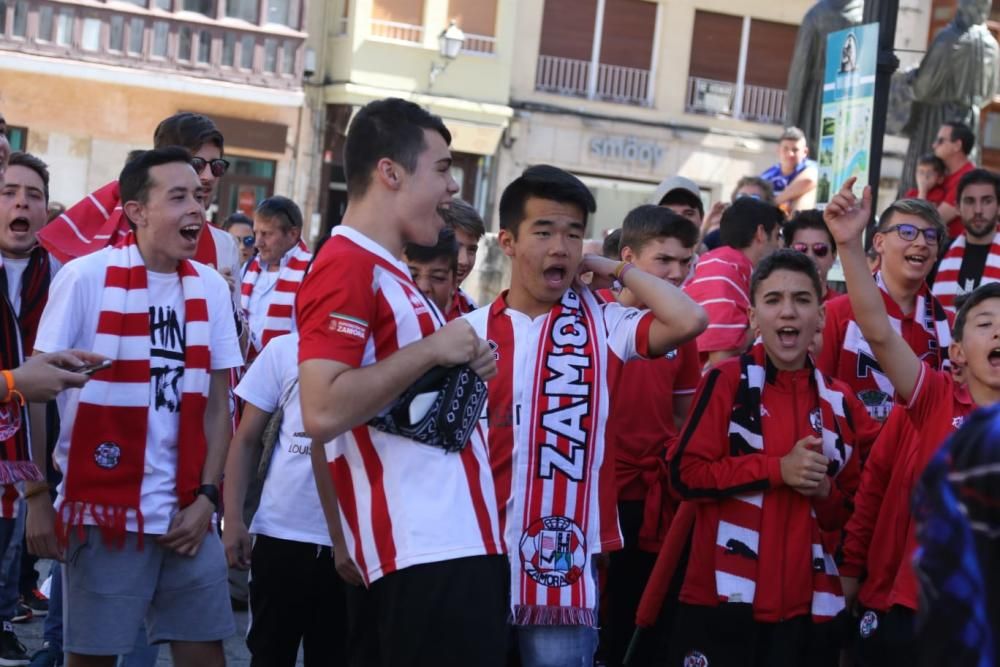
[(210, 491)]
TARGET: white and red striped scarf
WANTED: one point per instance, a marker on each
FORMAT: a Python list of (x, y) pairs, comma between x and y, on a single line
[(946, 287), (108, 444), (279, 313), (737, 561), (553, 475)]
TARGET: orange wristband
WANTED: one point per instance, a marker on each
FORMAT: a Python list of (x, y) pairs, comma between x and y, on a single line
[(9, 379)]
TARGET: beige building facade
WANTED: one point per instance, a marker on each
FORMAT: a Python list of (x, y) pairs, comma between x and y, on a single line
[(84, 83)]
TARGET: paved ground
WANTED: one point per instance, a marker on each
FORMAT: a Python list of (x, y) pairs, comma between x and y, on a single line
[(30, 634)]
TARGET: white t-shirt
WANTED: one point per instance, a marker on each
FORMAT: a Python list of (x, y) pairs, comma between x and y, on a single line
[(15, 268), (70, 321), (289, 503)]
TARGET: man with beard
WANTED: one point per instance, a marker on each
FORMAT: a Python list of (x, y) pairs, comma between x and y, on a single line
[(974, 257)]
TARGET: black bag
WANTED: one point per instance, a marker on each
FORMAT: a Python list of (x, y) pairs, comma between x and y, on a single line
[(440, 409)]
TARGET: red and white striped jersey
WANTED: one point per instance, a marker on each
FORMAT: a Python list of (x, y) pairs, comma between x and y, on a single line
[(401, 503), (721, 285)]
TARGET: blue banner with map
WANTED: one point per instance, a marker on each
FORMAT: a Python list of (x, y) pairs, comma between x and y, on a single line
[(848, 105)]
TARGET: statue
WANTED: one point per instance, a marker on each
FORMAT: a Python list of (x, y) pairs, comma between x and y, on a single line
[(805, 76), (957, 77)]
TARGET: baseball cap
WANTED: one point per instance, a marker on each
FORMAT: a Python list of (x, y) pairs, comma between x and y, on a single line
[(672, 183)]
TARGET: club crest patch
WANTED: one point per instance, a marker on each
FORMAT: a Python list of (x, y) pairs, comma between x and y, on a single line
[(868, 624), (553, 551), (107, 455), (878, 403), (695, 659), (816, 421), (10, 419)]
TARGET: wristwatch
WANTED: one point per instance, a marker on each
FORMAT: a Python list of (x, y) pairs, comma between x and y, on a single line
[(210, 491)]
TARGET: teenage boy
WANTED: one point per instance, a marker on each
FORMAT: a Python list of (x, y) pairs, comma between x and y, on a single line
[(766, 456), (272, 278), (907, 241), (973, 259), (880, 536), (559, 356), (807, 233), (469, 231), (749, 231), (648, 406), (98, 220), (296, 596), (434, 268), (929, 177), (419, 524), (26, 271), (142, 446)]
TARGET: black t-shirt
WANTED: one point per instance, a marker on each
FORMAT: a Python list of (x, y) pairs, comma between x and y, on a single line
[(973, 265)]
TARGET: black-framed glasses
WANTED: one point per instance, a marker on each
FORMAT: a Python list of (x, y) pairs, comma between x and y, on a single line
[(218, 165), (909, 232), (818, 249), (247, 241)]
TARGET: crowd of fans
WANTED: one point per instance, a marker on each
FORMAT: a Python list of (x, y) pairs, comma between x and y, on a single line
[(684, 448)]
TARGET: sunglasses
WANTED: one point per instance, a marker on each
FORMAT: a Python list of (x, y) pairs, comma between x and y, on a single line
[(218, 165), (909, 233), (247, 241), (818, 249)]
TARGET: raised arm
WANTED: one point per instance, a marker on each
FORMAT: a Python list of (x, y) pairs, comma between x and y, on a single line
[(678, 318), (847, 216)]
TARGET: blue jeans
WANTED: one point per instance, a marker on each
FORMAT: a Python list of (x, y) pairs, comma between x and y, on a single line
[(556, 645), (52, 634), (11, 534)]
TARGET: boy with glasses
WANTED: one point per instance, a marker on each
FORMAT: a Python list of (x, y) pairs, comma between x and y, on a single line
[(908, 241), (807, 233)]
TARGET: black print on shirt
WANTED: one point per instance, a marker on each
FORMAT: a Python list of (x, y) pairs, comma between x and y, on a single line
[(166, 357)]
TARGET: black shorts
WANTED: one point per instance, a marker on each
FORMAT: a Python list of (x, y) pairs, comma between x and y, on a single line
[(449, 613), (885, 639), (728, 636)]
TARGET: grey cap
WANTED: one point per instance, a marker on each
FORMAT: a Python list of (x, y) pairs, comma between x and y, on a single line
[(672, 183)]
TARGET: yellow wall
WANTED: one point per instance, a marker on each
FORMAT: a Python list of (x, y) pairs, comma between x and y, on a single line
[(84, 129)]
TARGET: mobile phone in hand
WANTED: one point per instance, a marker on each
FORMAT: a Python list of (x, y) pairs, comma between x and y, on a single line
[(90, 369)]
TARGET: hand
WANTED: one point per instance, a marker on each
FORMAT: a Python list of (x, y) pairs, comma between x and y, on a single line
[(346, 568), (602, 268), (45, 374), (846, 216), (236, 541), (714, 217), (456, 343), (822, 490), (40, 529), (227, 273), (188, 527), (850, 587), (803, 468)]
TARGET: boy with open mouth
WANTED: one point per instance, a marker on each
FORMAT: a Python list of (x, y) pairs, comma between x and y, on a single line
[(767, 457)]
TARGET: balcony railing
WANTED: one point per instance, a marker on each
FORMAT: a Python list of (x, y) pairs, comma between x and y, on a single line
[(718, 98), (479, 44), (395, 31), (157, 41), (614, 83)]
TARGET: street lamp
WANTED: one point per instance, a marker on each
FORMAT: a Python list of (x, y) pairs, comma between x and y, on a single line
[(450, 43)]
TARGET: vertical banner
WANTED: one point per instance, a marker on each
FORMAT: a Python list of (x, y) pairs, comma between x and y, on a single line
[(848, 108)]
